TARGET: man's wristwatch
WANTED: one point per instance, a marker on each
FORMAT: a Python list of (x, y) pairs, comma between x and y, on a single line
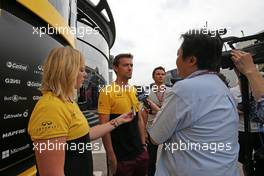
[(144, 145)]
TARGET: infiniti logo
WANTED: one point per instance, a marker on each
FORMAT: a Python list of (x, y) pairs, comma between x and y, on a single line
[(17, 66), (46, 123)]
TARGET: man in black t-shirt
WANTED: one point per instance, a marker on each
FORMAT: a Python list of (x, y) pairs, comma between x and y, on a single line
[(125, 147)]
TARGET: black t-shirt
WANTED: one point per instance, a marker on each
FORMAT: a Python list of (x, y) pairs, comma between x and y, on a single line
[(126, 140), (78, 162)]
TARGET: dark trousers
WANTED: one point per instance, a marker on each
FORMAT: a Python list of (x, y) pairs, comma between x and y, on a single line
[(135, 167), (255, 144), (152, 150)]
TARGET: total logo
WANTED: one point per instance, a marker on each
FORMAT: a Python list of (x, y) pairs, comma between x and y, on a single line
[(13, 133), (17, 115), (16, 66), (7, 153), (12, 81), (15, 98), (39, 70), (33, 84)]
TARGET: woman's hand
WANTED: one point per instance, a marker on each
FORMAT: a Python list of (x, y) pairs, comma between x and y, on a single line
[(125, 118)]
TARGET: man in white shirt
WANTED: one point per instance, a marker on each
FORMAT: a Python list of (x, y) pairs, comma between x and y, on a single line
[(198, 121), (157, 94)]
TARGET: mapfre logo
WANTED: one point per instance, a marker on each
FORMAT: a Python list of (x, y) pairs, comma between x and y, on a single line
[(15, 98), (16, 66), (13, 133), (33, 84), (12, 81)]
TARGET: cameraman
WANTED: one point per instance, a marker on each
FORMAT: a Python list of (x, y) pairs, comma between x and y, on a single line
[(156, 95), (244, 63)]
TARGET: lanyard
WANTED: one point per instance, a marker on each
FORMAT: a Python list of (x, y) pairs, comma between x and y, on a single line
[(204, 72), (159, 97)]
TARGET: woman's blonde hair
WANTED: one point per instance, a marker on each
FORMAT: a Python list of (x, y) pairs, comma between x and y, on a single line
[(61, 69)]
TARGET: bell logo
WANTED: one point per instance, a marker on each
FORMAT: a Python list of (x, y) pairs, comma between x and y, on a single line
[(15, 98)]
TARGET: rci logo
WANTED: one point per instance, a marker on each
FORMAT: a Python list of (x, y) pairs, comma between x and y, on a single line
[(47, 123), (17, 66)]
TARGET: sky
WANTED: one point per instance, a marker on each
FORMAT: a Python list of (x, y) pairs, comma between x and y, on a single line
[(151, 29)]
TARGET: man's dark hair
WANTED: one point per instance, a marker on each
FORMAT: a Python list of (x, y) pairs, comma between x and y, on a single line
[(120, 56), (207, 49), (157, 68)]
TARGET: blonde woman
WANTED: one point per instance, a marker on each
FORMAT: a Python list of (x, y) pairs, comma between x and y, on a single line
[(59, 131)]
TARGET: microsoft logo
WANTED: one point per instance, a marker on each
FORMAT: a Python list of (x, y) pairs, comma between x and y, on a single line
[(5, 154)]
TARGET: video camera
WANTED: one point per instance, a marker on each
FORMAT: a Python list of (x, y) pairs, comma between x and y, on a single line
[(256, 49)]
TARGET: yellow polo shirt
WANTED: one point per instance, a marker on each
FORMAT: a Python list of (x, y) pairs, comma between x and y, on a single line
[(53, 118), (115, 99)]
